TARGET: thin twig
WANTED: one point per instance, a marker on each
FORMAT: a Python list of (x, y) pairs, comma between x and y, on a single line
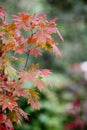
[(28, 52), (26, 60)]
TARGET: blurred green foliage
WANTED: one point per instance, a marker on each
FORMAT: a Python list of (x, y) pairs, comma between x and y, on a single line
[(72, 24)]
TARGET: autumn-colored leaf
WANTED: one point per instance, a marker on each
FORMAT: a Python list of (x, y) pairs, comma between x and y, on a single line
[(31, 39), (34, 103), (34, 67), (35, 52), (39, 83), (9, 70), (56, 51), (33, 97), (2, 12), (19, 90), (52, 21), (33, 93), (27, 76), (23, 114), (45, 72), (8, 102), (8, 125), (31, 74), (5, 124), (14, 117), (21, 21), (42, 16), (2, 118)]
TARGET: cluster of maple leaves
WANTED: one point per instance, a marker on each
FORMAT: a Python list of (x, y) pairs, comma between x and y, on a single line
[(40, 32)]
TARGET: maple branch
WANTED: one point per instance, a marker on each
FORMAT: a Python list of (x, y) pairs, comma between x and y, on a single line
[(27, 60), (28, 54)]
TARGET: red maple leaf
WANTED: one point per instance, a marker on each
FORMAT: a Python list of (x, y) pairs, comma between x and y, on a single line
[(56, 51), (45, 72), (35, 52), (39, 83), (2, 12), (34, 103), (8, 102)]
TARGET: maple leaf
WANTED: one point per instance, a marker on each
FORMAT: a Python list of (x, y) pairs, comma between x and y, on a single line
[(34, 67), (33, 97), (15, 87), (51, 30), (42, 37), (22, 20), (8, 102), (33, 93), (27, 76), (2, 118), (31, 39), (47, 46), (7, 47), (45, 72), (34, 103), (56, 51), (39, 83), (30, 74), (23, 114), (20, 45), (52, 21), (35, 75), (14, 117), (19, 91), (8, 125), (2, 12), (41, 40), (9, 70), (41, 16), (20, 49), (16, 114), (35, 52), (5, 124)]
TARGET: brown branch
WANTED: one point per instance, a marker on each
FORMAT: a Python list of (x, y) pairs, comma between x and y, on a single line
[(25, 66)]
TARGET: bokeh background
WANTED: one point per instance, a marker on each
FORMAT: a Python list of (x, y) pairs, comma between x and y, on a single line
[(63, 107)]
